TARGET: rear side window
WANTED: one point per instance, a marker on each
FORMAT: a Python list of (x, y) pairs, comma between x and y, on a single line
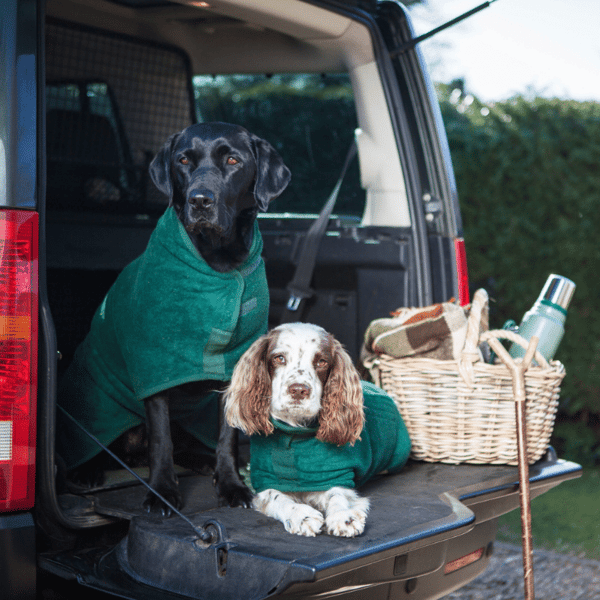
[(111, 103), (88, 156), (309, 118)]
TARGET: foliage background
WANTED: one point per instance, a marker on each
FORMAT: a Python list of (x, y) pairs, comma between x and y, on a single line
[(528, 179)]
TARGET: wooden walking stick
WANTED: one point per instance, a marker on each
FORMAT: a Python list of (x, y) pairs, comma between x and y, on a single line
[(518, 370)]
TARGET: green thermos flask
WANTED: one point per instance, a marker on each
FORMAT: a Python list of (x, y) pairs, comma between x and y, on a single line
[(546, 317)]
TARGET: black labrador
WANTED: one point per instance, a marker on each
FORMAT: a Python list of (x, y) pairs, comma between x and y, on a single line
[(217, 176)]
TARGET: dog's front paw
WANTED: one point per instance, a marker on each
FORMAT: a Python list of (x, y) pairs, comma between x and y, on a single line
[(82, 479), (304, 520), (88, 475), (232, 493), (346, 523), (154, 505)]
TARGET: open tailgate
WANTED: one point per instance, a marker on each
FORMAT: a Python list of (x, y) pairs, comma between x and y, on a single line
[(421, 520)]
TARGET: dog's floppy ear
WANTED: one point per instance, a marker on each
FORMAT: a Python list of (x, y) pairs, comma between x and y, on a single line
[(272, 176), (248, 398), (341, 418), (160, 168)]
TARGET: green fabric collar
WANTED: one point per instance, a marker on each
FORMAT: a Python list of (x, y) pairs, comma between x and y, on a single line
[(303, 431), (172, 236)]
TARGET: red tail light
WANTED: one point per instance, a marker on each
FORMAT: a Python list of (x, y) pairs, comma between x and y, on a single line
[(18, 356), (461, 271)]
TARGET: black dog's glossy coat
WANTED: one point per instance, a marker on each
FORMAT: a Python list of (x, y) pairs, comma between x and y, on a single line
[(217, 177)]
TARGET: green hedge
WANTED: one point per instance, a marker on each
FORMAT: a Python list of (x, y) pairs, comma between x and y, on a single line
[(528, 177)]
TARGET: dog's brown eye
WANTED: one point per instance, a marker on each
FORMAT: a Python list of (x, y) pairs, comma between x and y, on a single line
[(279, 359), (322, 363), (184, 160), (232, 161)]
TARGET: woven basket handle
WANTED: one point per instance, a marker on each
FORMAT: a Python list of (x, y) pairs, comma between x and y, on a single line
[(504, 334), (478, 317)]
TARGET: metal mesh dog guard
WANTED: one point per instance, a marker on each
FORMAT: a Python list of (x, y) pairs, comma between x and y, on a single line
[(111, 102)]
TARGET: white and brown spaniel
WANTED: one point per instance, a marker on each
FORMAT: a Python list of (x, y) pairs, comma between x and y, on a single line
[(299, 378)]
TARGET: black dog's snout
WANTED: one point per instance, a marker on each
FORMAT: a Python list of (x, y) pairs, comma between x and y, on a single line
[(299, 391), (202, 199)]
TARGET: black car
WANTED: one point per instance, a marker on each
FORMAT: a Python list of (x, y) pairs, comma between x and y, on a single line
[(89, 91)]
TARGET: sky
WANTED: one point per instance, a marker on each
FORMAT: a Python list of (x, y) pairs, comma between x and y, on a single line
[(548, 48)]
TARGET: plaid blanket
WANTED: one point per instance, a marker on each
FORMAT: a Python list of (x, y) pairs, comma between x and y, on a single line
[(437, 331)]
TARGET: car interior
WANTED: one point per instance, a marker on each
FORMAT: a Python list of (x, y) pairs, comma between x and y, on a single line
[(124, 75)]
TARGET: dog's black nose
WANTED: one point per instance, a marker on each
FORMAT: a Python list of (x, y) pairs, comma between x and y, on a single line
[(299, 391), (202, 200)]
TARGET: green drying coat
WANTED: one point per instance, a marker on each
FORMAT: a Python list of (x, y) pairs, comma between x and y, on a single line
[(168, 319), (292, 459)]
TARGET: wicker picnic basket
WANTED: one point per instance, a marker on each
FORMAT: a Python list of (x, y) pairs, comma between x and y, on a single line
[(464, 411)]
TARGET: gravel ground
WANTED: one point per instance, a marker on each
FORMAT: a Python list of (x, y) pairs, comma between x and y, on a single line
[(556, 577)]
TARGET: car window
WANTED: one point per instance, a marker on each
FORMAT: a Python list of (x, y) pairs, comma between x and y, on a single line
[(111, 102), (87, 153), (309, 118)]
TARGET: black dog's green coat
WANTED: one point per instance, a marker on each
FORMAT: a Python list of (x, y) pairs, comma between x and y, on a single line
[(168, 319)]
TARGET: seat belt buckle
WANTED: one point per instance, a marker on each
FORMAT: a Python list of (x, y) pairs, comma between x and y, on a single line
[(297, 295), (293, 302)]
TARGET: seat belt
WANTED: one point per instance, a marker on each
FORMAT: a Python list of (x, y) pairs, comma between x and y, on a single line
[(299, 287)]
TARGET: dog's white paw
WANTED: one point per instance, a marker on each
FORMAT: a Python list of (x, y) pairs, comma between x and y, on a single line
[(346, 523), (304, 520)]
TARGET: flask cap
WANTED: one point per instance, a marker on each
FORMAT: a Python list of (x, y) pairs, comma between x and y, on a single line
[(558, 290)]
